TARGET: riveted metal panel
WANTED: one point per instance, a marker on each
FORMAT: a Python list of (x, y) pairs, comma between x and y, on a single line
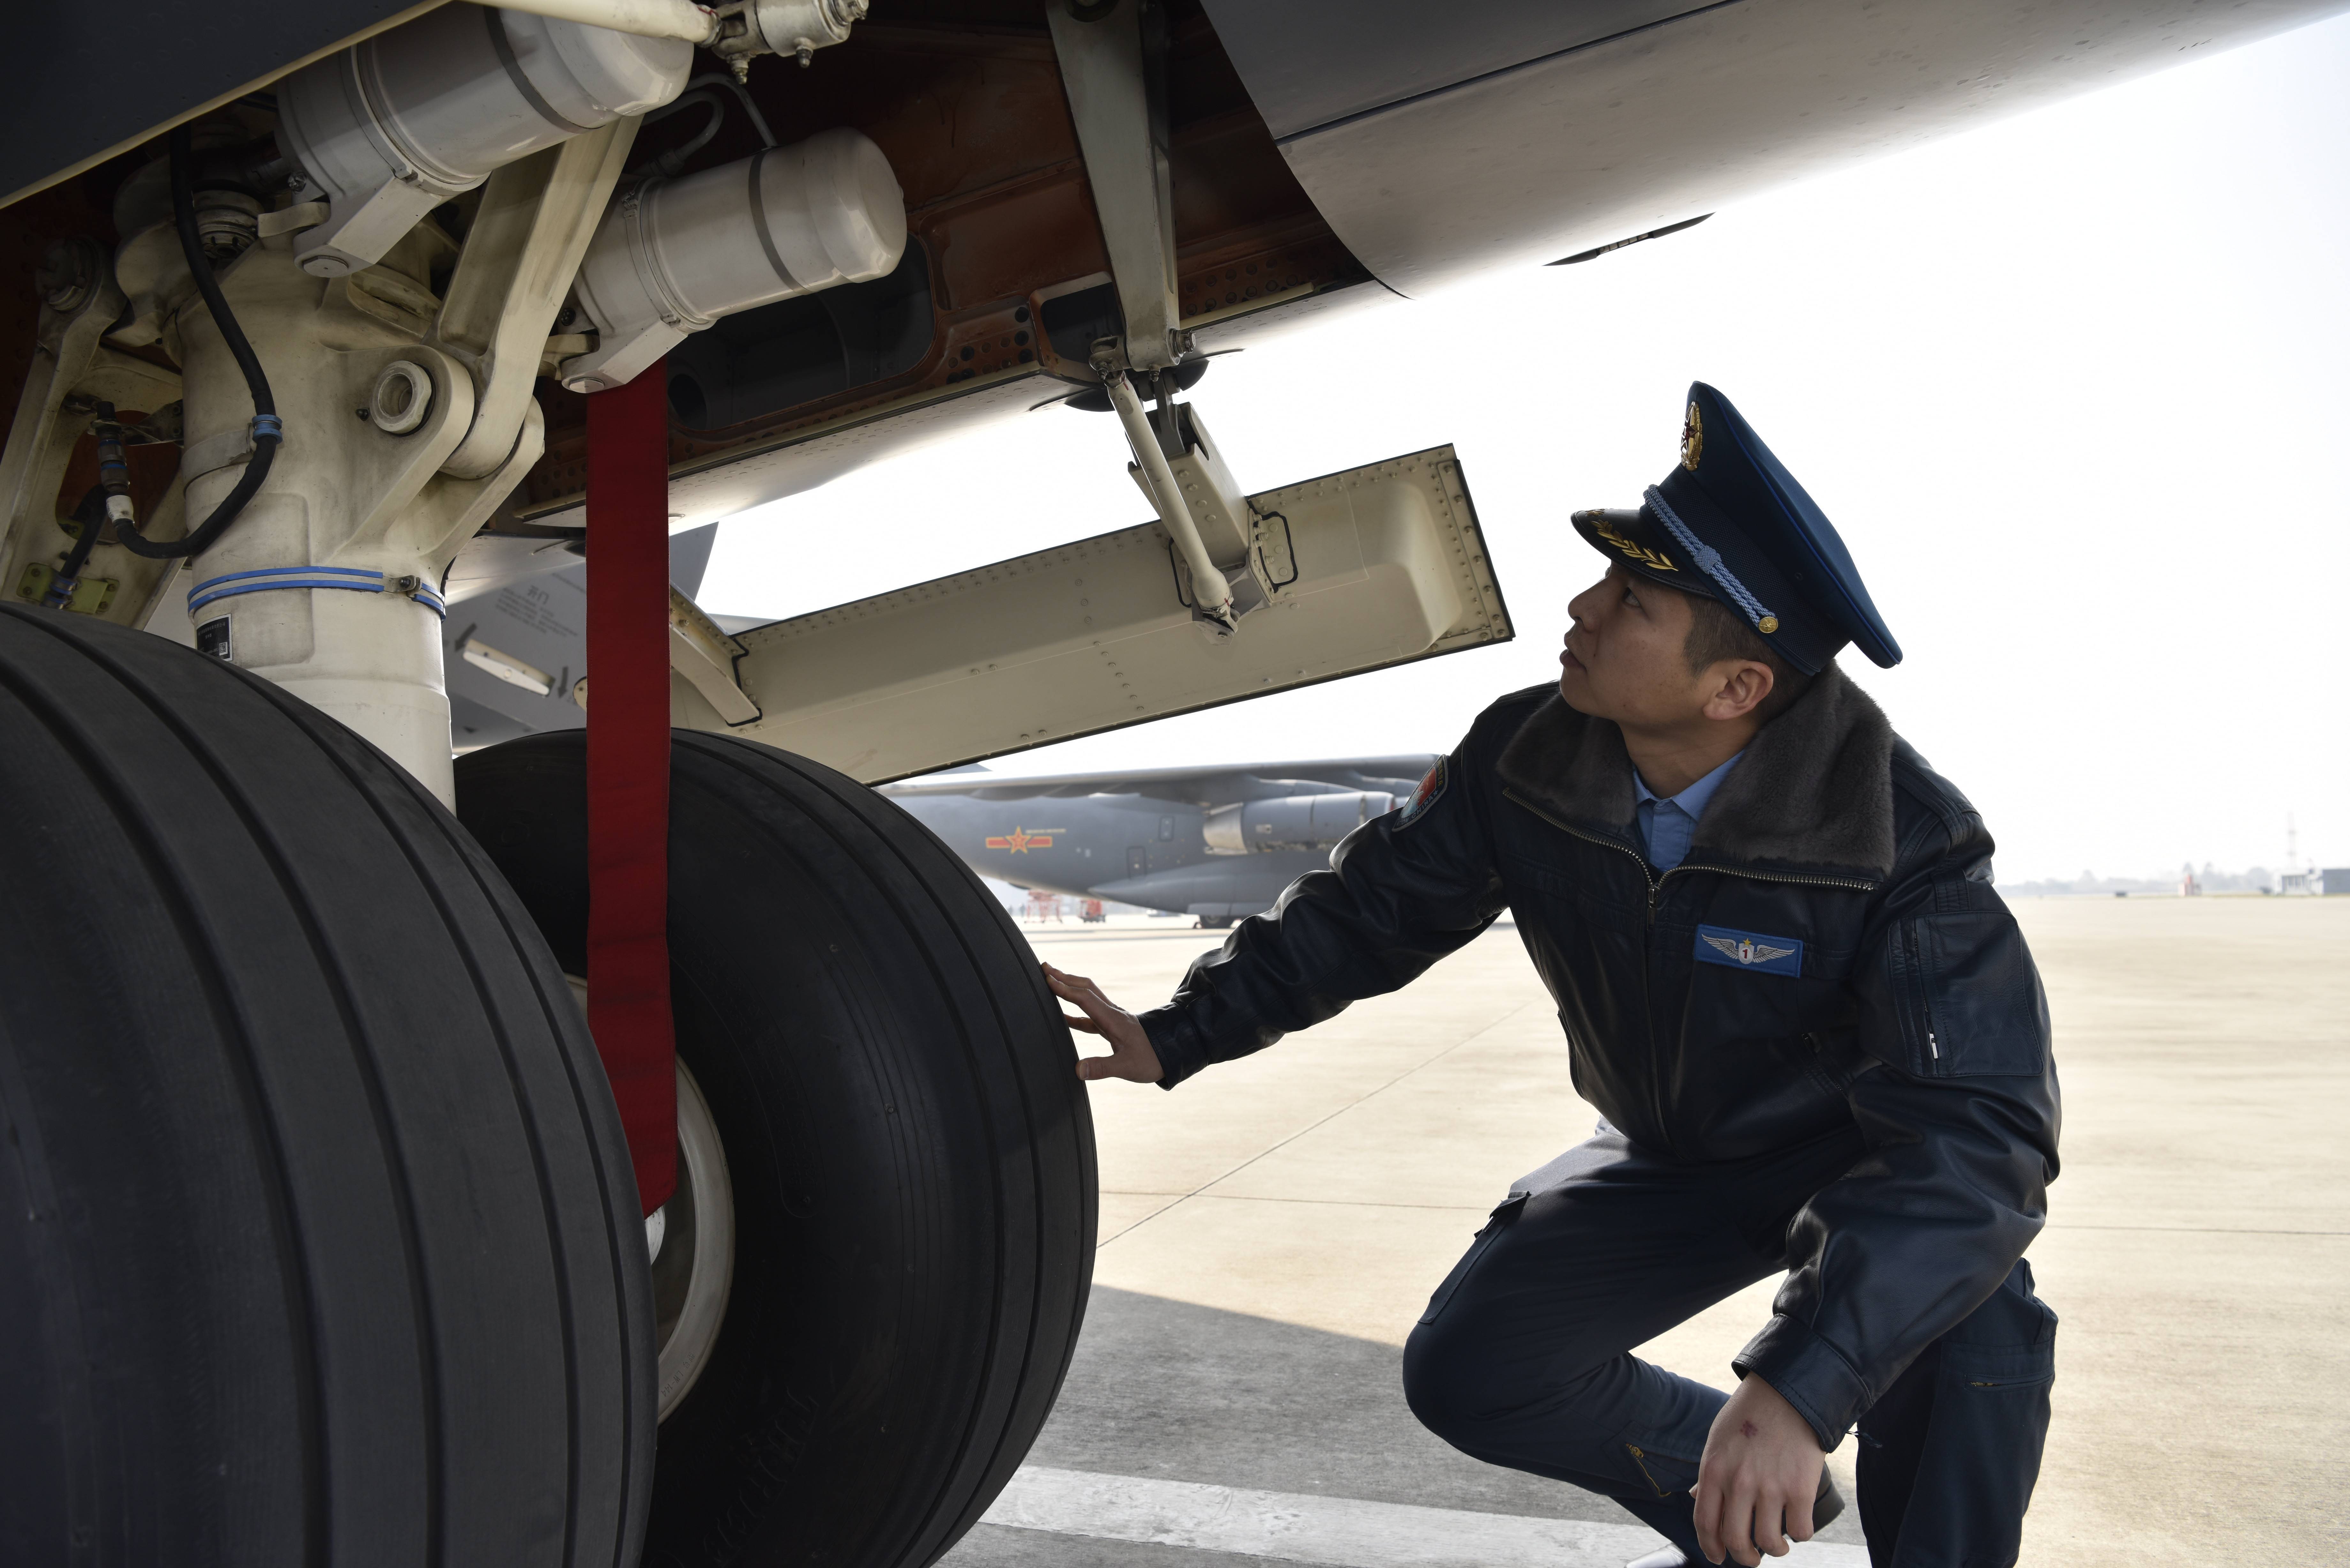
[(1389, 564)]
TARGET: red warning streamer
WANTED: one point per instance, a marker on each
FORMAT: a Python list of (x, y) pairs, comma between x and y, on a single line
[(627, 769)]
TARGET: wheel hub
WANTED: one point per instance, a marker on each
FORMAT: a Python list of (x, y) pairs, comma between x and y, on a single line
[(693, 1256), (690, 1241)]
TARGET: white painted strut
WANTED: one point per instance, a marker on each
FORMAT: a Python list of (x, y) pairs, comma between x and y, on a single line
[(1210, 591), (645, 18)]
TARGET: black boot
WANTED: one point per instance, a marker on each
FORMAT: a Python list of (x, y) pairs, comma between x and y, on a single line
[(1825, 1507)]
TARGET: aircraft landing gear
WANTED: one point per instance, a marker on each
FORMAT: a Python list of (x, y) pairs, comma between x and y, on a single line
[(318, 1237), (907, 1150)]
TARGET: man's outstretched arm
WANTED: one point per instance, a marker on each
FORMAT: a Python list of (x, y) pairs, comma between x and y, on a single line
[(1402, 890)]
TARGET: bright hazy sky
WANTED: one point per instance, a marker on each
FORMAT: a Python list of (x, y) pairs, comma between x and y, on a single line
[(2072, 387)]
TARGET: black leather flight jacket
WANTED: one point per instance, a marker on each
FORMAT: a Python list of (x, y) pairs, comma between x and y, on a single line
[(1829, 960)]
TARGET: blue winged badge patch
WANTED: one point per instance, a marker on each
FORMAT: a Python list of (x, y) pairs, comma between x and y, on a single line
[(1749, 950), (1430, 790)]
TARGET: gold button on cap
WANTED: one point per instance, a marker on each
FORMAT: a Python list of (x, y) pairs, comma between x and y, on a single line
[(1767, 624)]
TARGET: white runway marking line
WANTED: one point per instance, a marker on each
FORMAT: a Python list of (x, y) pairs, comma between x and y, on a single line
[(1290, 1526)]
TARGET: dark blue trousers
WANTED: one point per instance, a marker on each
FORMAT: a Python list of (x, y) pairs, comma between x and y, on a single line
[(1524, 1357)]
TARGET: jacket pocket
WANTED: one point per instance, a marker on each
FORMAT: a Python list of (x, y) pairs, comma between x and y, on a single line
[(1974, 1005)]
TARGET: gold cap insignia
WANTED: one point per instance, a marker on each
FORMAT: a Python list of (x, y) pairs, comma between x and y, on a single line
[(1646, 557), (1767, 624), (1692, 440)]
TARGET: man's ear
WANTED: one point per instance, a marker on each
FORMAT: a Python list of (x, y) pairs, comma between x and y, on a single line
[(1743, 684)]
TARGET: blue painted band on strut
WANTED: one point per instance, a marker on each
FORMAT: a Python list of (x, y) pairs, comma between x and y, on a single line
[(268, 580), (268, 426), (360, 572)]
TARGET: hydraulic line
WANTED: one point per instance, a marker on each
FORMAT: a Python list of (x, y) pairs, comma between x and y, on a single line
[(266, 429), (668, 164), (705, 90), (91, 515), (726, 83)]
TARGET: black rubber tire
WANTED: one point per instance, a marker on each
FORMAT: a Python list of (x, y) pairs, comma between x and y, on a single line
[(911, 1152), (319, 1240)]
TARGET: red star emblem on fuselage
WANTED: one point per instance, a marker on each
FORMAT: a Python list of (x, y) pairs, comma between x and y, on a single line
[(1020, 841)]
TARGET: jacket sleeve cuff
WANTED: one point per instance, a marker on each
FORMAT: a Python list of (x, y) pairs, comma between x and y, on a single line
[(1808, 1373), (1176, 1039)]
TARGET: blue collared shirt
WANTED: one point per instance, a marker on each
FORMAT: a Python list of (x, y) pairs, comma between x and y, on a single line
[(1668, 820)]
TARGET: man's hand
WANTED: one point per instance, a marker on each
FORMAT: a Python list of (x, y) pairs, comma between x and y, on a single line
[(1758, 1478), (1130, 1055)]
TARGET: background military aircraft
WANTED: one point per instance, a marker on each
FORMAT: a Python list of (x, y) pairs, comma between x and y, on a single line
[(1219, 842)]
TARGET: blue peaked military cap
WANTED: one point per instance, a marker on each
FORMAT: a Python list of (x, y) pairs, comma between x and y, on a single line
[(1731, 522)]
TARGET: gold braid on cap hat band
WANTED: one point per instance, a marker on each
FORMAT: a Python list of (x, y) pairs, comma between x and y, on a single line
[(1645, 556), (1709, 561)]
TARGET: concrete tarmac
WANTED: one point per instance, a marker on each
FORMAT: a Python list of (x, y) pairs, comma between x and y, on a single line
[(1271, 1231)]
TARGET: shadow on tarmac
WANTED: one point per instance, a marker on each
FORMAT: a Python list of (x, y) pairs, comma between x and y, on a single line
[(1165, 1389)]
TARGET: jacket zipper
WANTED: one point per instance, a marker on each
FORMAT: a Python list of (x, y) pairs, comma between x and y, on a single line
[(1847, 883), (1656, 885), (1648, 948), (1925, 997)]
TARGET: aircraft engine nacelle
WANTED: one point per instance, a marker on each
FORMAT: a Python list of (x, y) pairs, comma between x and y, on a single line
[(1291, 821)]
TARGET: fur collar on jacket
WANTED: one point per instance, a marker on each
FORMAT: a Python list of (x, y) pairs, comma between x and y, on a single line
[(1815, 790)]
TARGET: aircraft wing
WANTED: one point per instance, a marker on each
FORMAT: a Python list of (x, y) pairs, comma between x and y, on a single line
[(1440, 145), (1210, 784), (1321, 155)]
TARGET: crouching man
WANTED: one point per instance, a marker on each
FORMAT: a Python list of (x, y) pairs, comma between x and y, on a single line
[(1814, 1033)]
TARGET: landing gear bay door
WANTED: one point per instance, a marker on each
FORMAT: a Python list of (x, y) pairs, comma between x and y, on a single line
[(1355, 571)]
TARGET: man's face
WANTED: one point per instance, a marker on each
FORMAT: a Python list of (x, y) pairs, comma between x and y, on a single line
[(1625, 657)]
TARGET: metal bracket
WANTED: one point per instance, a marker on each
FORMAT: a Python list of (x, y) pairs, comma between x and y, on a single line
[(71, 365), (706, 656), (1218, 506), (537, 216), (1212, 595), (1111, 58)]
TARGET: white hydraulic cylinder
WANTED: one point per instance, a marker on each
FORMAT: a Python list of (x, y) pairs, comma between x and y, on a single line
[(672, 256), (778, 27), (393, 127), (1211, 591), (646, 18)]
